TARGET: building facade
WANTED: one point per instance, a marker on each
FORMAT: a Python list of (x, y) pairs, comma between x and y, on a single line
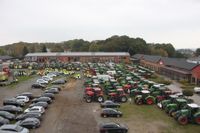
[(116, 57)]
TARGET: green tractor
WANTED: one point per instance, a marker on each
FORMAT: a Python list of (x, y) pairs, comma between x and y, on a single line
[(178, 104), (144, 98), (164, 103), (191, 113)]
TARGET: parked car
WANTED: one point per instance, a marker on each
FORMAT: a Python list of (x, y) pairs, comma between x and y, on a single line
[(59, 81), (3, 121), (41, 81), (109, 112), (43, 104), (7, 115), (47, 78), (11, 109), (113, 128), (29, 115), (52, 90), (29, 123), (54, 86), (51, 75), (13, 128), (28, 94), (197, 90), (37, 85), (13, 101), (109, 104), (42, 99), (24, 99), (50, 95), (38, 109)]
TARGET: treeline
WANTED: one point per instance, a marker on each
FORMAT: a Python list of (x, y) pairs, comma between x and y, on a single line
[(112, 44)]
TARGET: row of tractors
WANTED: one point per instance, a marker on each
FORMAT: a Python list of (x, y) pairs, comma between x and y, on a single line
[(131, 82)]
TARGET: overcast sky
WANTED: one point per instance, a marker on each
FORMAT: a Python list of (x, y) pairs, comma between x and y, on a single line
[(158, 21)]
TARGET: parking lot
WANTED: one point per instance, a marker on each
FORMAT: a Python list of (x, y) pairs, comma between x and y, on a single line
[(70, 113)]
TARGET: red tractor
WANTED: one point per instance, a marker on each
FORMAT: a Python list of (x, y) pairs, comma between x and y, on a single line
[(93, 94), (118, 96)]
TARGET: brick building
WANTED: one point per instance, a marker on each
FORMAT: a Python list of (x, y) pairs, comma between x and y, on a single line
[(175, 68), (79, 56)]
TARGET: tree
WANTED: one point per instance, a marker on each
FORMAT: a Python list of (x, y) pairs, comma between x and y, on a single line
[(25, 51), (197, 52), (44, 48), (2, 52)]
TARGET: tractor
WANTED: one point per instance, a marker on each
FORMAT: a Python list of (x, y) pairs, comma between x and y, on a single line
[(170, 99), (191, 113), (118, 96), (144, 98), (178, 104), (93, 94)]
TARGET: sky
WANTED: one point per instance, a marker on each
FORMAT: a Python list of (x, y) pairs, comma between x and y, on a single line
[(156, 21)]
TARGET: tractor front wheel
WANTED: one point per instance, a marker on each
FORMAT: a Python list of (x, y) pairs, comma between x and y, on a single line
[(88, 99), (138, 101), (197, 120), (123, 99), (172, 112), (183, 120), (100, 99)]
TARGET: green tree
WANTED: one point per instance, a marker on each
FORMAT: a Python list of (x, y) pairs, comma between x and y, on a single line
[(44, 48), (197, 52), (25, 51)]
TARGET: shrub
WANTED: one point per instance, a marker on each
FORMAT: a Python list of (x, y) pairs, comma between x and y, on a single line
[(188, 92)]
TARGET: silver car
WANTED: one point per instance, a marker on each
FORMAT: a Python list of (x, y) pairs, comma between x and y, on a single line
[(13, 128)]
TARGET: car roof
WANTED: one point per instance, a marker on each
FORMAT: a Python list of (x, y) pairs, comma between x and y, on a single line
[(109, 109), (110, 123), (9, 126), (193, 105)]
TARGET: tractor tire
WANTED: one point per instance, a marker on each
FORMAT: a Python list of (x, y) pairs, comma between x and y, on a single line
[(100, 99), (149, 101), (197, 120), (88, 99), (124, 99), (138, 101), (172, 112), (183, 120)]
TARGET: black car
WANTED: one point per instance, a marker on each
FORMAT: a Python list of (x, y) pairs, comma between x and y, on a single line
[(43, 104), (28, 94), (11, 109), (3, 121), (13, 101), (29, 115), (42, 99), (52, 90), (29, 123), (110, 104), (50, 95), (113, 128), (7, 115), (38, 86), (109, 112), (59, 81)]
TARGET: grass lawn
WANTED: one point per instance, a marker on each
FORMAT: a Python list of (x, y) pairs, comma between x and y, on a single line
[(152, 119), (20, 79)]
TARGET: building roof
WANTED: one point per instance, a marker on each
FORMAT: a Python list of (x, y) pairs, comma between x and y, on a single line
[(152, 58), (79, 54), (5, 57), (137, 56)]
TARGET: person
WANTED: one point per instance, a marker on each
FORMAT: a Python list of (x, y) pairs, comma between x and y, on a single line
[(130, 100)]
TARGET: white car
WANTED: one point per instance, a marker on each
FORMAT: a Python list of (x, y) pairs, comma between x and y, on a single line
[(37, 109), (24, 99), (42, 81), (51, 75), (47, 78), (197, 90)]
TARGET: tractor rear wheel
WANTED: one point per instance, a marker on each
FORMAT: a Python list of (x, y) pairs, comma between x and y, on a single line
[(88, 99), (138, 101), (183, 120), (100, 99), (149, 101), (123, 99), (197, 120)]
